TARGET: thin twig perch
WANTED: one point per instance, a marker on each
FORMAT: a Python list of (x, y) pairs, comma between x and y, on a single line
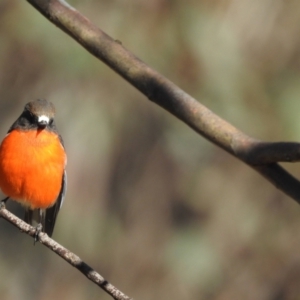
[(64, 253)]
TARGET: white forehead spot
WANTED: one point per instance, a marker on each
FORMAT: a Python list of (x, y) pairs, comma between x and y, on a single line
[(43, 118)]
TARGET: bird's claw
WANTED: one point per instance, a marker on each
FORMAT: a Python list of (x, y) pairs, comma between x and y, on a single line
[(3, 202), (38, 230)]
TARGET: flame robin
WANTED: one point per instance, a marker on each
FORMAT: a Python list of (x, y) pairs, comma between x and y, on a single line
[(32, 165)]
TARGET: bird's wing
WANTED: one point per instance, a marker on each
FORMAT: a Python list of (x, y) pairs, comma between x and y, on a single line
[(52, 212)]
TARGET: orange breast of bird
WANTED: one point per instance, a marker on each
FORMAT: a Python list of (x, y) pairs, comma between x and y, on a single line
[(31, 167)]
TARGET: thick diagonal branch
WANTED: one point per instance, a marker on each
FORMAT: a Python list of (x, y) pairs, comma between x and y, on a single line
[(260, 156)]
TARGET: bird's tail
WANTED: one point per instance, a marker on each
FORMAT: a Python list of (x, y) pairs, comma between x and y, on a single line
[(45, 217)]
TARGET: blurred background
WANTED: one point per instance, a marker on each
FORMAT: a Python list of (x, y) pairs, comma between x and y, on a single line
[(155, 208)]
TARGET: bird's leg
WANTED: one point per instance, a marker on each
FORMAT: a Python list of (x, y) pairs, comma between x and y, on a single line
[(38, 230), (3, 202), (39, 227)]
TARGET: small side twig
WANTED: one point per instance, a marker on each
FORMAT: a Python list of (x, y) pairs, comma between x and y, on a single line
[(66, 254)]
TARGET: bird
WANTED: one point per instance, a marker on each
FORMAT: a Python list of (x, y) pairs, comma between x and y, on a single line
[(33, 165)]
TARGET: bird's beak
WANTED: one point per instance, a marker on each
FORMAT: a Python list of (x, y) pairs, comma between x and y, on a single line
[(43, 121)]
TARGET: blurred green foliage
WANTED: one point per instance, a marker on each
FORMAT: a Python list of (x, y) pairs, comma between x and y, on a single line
[(155, 208)]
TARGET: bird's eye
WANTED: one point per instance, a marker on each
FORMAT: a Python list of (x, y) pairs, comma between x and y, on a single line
[(51, 121), (30, 117)]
